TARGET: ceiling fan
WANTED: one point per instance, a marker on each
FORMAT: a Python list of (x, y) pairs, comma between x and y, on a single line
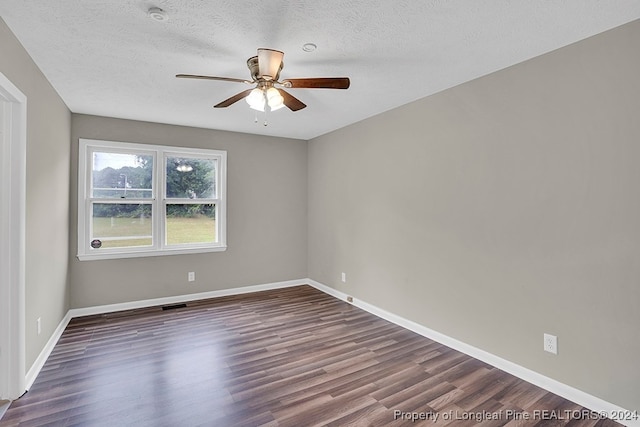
[(265, 71)]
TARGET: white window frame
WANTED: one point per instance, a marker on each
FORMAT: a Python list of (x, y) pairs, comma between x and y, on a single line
[(158, 201)]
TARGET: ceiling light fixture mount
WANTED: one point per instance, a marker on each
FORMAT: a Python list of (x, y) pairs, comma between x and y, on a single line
[(309, 47), (157, 14)]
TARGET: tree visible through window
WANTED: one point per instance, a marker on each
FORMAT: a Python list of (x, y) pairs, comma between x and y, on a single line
[(137, 200), (193, 179)]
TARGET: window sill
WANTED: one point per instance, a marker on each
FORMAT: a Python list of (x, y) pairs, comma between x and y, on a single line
[(145, 253)]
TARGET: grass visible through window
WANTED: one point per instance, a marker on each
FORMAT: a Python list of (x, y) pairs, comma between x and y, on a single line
[(200, 229), (133, 231)]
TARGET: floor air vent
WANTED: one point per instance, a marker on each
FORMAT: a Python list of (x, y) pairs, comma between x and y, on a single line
[(174, 306)]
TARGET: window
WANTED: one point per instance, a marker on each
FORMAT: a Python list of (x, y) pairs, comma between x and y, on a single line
[(145, 200)]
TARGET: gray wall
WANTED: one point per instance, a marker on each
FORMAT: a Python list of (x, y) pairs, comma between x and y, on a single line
[(266, 216), (47, 205), (491, 212), (499, 210)]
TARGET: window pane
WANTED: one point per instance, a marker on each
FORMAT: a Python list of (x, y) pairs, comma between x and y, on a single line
[(191, 223), (122, 176), (121, 225), (191, 178)]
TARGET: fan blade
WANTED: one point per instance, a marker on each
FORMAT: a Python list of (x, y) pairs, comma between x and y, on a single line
[(293, 103), (318, 83), (233, 99), (225, 79), (269, 63)]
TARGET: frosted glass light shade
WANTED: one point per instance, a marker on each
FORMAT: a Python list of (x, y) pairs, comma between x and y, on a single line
[(274, 99), (256, 99), (270, 63)]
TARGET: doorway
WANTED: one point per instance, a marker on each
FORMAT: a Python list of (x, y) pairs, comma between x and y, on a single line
[(13, 141)]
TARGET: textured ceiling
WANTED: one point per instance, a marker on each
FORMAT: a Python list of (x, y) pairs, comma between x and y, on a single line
[(108, 58)]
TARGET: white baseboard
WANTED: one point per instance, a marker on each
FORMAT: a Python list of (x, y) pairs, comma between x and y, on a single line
[(4, 407), (577, 396), (110, 308), (584, 399), (46, 351)]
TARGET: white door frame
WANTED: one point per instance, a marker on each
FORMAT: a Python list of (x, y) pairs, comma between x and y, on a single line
[(13, 143)]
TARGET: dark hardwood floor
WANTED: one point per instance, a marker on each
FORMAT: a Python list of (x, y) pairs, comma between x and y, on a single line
[(289, 357)]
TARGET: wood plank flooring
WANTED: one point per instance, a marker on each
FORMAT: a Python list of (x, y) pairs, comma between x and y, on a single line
[(289, 357)]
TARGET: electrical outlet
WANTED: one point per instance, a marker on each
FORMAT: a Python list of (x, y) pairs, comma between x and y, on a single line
[(191, 276), (39, 325), (551, 343), (344, 278)]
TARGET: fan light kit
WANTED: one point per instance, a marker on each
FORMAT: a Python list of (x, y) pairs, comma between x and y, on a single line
[(265, 71), (259, 98)]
